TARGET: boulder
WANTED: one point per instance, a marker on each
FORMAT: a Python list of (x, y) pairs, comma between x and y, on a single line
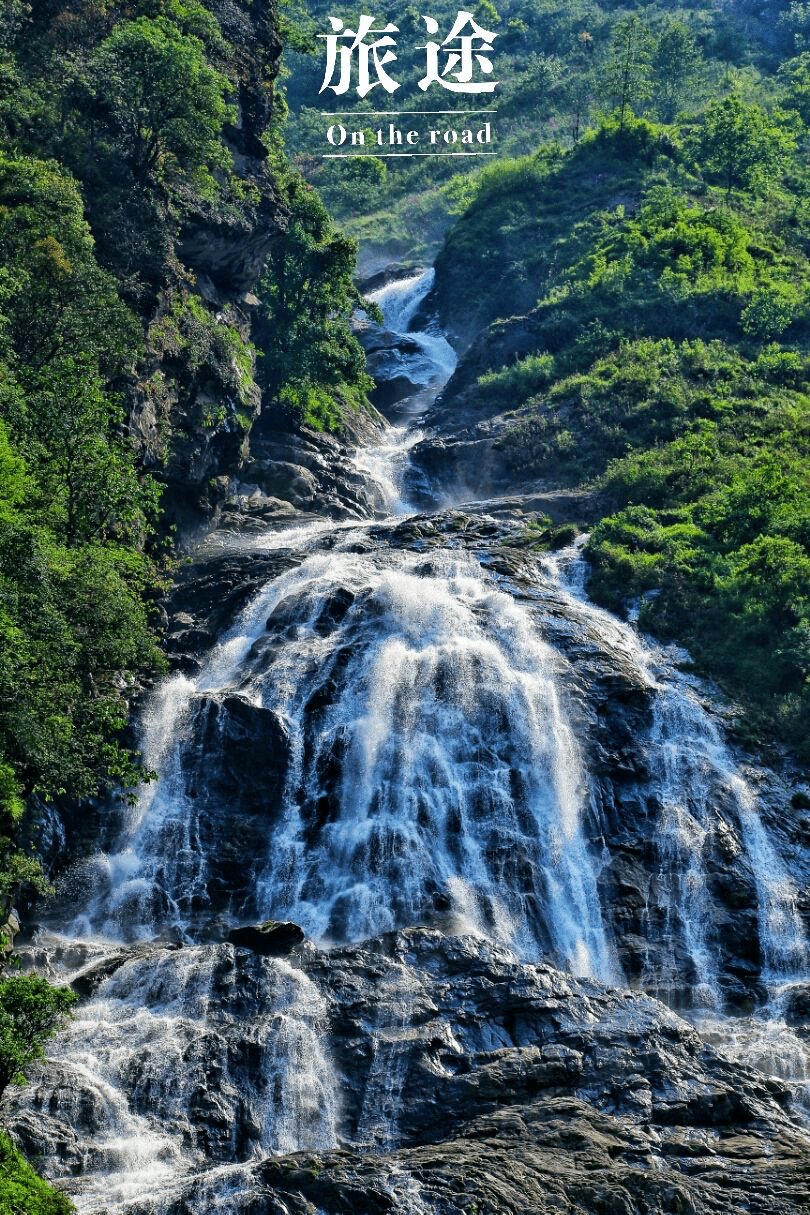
[(273, 939)]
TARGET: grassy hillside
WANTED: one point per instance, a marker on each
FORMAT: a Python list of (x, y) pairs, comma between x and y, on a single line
[(663, 359), (559, 68)]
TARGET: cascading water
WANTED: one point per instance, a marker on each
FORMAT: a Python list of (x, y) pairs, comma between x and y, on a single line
[(429, 367), (431, 766), (691, 770), (413, 758), (399, 303)]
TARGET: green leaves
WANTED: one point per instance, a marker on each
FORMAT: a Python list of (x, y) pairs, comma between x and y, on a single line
[(311, 361), (771, 311), (626, 73), (31, 1011), (161, 100), (73, 637), (22, 1191), (74, 514), (54, 296), (741, 145), (675, 63)]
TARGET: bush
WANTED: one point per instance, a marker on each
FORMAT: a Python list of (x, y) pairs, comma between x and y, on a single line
[(22, 1192)]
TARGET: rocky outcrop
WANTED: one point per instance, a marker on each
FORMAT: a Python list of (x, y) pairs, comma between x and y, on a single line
[(191, 405), (272, 939), (511, 1088), (300, 472), (385, 354), (196, 399), (472, 449)]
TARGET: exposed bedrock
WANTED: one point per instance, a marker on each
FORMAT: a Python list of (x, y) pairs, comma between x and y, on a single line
[(234, 763), (479, 1084)]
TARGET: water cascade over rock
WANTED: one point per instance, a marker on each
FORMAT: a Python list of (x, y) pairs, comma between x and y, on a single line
[(508, 827)]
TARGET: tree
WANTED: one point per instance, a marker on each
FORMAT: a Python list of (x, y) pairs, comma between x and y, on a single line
[(163, 102), (31, 1011), (87, 485), (742, 145), (626, 78), (675, 63), (54, 296), (309, 355), (795, 76), (771, 310), (578, 87)]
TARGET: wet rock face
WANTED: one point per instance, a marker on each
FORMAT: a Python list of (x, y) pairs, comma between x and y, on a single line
[(468, 1082), (386, 362), (236, 763), (305, 473), (235, 766)]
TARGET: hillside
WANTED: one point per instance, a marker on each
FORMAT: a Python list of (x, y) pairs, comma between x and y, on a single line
[(659, 357), (559, 68)]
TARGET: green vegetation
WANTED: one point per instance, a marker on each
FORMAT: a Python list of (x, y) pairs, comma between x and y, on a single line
[(22, 1192), (74, 634), (313, 365), (114, 141), (742, 146), (663, 360), (31, 1011), (561, 69), (159, 98)]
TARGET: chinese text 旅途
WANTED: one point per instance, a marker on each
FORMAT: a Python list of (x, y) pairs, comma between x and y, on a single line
[(460, 63)]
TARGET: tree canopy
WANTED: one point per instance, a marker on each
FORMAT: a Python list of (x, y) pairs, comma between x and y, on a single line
[(741, 145), (161, 99)]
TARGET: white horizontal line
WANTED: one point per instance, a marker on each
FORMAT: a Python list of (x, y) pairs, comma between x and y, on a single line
[(394, 113), (387, 155)]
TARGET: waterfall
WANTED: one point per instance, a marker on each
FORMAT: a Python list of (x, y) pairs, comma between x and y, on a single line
[(461, 783), (385, 465), (692, 768), (682, 784), (158, 1041), (456, 784), (399, 302), (387, 735), (377, 1124)]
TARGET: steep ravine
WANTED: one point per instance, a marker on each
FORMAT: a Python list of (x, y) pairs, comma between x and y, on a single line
[(555, 954)]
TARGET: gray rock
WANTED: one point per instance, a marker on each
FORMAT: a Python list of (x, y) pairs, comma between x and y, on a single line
[(519, 1091)]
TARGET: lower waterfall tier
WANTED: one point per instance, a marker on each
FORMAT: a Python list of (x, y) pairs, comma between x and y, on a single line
[(456, 1079)]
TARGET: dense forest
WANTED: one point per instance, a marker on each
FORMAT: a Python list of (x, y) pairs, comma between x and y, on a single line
[(644, 235)]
